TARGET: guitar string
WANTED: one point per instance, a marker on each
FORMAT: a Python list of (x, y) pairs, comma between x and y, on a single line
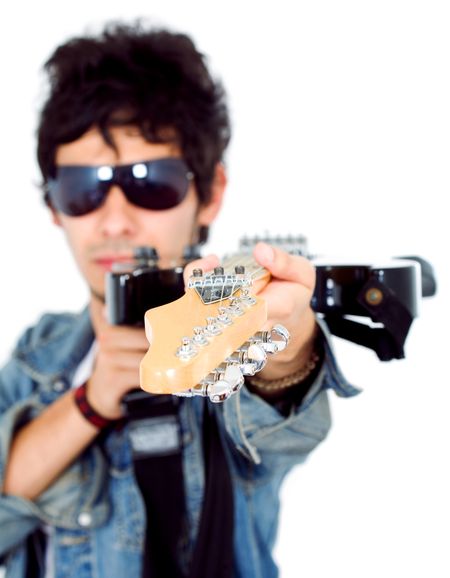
[(238, 259)]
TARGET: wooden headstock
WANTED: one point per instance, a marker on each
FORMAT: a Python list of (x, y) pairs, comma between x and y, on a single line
[(214, 322)]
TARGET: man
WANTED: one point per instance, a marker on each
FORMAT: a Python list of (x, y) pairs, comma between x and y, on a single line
[(127, 101)]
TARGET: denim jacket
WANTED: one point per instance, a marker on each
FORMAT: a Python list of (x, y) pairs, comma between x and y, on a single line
[(95, 508)]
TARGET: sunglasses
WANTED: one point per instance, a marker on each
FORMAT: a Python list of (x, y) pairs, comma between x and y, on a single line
[(157, 185)]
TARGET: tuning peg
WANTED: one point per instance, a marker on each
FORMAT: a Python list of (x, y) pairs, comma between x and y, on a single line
[(218, 385), (219, 391), (200, 337), (246, 299), (187, 349), (191, 252), (272, 341), (280, 336), (250, 358), (256, 358), (235, 307), (231, 372), (222, 383), (145, 254), (224, 316), (212, 327)]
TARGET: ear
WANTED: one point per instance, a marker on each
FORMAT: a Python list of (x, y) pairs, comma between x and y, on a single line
[(207, 213)]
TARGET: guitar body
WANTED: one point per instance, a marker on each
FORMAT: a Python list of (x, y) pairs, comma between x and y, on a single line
[(338, 286)]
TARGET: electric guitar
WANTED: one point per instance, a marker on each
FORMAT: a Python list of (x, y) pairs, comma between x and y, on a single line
[(205, 342)]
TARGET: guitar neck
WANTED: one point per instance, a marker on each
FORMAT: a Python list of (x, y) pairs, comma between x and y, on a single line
[(258, 275)]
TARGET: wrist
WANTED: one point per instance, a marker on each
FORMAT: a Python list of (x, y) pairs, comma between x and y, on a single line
[(296, 355), (88, 411), (303, 371)]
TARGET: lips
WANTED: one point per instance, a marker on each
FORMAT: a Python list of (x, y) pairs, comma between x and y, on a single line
[(106, 262)]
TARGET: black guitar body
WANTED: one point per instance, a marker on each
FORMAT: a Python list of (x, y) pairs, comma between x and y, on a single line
[(388, 295), (349, 289)]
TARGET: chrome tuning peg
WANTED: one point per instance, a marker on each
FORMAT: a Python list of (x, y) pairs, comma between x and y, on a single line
[(250, 358), (212, 327), (255, 359), (228, 378), (224, 316), (219, 391), (199, 337), (223, 382), (233, 375), (272, 341), (218, 385), (187, 349), (246, 299)]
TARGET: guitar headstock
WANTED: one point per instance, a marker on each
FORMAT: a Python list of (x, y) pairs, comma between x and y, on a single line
[(206, 341)]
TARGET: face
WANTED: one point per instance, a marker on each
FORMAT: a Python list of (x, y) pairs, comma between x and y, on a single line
[(112, 231)]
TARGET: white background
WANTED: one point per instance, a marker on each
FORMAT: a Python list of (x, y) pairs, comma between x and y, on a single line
[(341, 132)]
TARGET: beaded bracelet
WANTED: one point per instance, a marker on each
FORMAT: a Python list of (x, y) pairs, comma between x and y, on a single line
[(87, 411), (287, 381)]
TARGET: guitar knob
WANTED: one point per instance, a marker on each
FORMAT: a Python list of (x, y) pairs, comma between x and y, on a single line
[(212, 327), (235, 307), (254, 359), (145, 255), (224, 317), (246, 299), (199, 336), (233, 375), (219, 391), (272, 341), (187, 349), (280, 336)]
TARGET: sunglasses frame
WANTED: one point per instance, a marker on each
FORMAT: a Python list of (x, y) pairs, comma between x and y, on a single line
[(156, 184)]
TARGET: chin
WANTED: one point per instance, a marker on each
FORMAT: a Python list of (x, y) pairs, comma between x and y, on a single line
[(97, 293)]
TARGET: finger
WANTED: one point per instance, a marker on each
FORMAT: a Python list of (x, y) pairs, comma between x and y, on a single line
[(285, 267), (123, 338), (122, 361), (205, 264)]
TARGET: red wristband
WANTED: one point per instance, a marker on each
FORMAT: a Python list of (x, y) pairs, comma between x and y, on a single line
[(87, 411)]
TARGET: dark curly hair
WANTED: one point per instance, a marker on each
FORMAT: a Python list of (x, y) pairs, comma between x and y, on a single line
[(151, 78)]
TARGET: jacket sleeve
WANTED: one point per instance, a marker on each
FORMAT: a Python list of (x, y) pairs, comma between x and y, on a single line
[(77, 490), (274, 443)]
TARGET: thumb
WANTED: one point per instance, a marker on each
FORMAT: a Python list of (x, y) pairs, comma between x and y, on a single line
[(284, 266)]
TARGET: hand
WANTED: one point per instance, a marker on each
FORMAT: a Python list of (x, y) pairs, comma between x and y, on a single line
[(116, 369), (288, 296)]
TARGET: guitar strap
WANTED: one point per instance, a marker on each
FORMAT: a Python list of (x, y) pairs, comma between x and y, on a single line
[(213, 554), (387, 309), (156, 447), (157, 457)]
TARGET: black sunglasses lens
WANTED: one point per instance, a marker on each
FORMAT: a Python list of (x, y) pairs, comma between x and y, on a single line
[(76, 191), (156, 185)]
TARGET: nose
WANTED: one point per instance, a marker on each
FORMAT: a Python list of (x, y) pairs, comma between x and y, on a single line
[(117, 215)]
